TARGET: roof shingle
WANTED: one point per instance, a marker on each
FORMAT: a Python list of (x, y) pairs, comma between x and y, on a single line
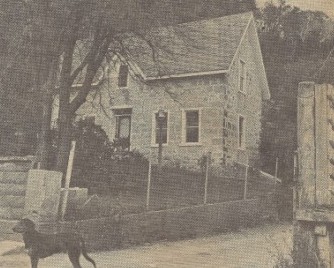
[(195, 47)]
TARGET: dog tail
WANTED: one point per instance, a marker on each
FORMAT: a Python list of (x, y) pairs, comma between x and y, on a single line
[(84, 252)]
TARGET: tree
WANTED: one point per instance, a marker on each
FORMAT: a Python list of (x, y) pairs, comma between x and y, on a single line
[(294, 45), (56, 32), (107, 23)]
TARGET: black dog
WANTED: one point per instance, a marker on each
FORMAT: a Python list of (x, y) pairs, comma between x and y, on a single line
[(41, 245)]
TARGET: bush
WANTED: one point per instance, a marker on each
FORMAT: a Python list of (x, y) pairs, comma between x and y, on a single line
[(99, 163)]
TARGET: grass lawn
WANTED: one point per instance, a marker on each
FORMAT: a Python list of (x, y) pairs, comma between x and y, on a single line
[(172, 189)]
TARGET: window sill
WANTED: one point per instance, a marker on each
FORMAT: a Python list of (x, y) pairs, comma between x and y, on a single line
[(242, 92), (123, 88), (190, 144), (153, 145)]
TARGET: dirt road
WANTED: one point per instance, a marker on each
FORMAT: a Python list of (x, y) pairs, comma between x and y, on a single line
[(249, 248)]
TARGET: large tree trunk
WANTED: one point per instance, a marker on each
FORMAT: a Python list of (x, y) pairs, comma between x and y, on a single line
[(67, 108), (65, 115), (44, 139)]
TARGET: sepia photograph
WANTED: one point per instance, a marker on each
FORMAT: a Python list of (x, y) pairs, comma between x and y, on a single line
[(167, 133)]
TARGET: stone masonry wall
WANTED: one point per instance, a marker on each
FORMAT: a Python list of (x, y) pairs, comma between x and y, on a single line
[(203, 93), (216, 96), (13, 182), (249, 103)]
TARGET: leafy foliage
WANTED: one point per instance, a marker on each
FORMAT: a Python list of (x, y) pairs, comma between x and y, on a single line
[(295, 45), (46, 34), (98, 161)]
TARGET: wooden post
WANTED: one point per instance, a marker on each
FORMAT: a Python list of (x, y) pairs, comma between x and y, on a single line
[(312, 234), (161, 116), (330, 92), (306, 145), (321, 146), (148, 192), (207, 169), (160, 147), (68, 179)]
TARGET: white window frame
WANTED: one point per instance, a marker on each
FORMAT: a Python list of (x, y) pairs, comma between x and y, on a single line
[(242, 145), (242, 67), (153, 133), (117, 128), (183, 127), (127, 76), (114, 109)]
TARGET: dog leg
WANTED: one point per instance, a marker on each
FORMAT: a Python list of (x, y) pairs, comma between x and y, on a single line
[(74, 255), (34, 261)]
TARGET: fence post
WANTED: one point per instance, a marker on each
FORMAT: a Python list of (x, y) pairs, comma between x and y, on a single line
[(207, 167), (246, 181), (295, 178), (276, 170), (148, 192), (68, 179)]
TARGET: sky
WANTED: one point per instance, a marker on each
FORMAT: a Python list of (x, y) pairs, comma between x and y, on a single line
[(326, 6)]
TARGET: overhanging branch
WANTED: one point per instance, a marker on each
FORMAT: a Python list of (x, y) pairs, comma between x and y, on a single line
[(92, 67)]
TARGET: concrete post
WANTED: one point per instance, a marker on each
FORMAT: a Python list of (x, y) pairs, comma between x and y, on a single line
[(43, 194)]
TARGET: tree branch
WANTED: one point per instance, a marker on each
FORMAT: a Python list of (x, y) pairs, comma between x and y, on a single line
[(323, 65), (89, 56), (90, 74)]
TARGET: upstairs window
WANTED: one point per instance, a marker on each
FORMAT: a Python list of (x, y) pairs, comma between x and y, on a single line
[(241, 132), (164, 129), (123, 75), (242, 76), (192, 126)]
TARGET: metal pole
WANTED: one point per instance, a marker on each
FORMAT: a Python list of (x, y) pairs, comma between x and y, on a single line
[(276, 170), (148, 184), (208, 160), (246, 181), (295, 178)]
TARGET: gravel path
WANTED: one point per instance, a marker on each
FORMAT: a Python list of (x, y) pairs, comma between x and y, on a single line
[(249, 248)]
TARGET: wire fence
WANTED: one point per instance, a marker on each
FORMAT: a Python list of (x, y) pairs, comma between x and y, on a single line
[(137, 187)]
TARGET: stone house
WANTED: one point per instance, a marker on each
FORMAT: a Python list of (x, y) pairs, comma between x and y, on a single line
[(209, 79)]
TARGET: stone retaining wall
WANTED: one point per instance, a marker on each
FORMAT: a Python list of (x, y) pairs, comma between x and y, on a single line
[(13, 182), (189, 222)]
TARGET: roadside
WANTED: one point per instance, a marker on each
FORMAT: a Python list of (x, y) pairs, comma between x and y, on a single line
[(252, 248)]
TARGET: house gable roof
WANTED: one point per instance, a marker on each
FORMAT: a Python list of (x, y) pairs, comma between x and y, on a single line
[(195, 48), (262, 75)]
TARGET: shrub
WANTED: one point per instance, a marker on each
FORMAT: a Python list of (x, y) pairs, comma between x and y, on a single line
[(99, 163)]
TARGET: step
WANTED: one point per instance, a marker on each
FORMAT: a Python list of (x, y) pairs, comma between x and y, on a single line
[(6, 230), (9, 213), (12, 189), (17, 177), (14, 167), (12, 201), (16, 163)]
